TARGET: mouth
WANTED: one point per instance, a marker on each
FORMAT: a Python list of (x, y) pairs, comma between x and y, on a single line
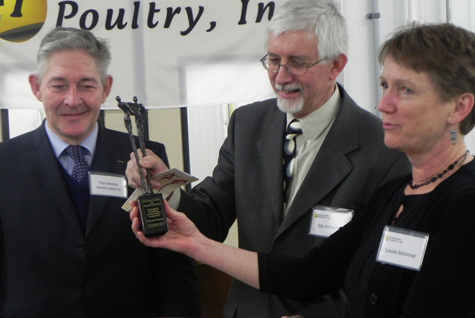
[(73, 115), (286, 91), (387, 125)]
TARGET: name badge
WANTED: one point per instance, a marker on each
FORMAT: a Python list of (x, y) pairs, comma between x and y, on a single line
[(327, 220), (105, 184), (402, 248)]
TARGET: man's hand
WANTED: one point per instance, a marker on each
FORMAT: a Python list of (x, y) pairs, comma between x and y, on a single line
[(151, 162)]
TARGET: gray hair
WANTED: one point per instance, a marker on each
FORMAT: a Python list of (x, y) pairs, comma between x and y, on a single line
[(64, 39), (320, 18)]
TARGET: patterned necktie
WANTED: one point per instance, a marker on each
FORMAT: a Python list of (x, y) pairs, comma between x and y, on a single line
[(80, 165), (290, 148)]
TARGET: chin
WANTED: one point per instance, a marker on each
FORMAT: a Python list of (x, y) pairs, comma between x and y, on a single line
[(290, 106), (391, 144)]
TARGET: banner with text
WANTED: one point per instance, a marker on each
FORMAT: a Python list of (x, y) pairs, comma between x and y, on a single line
[(168, 53)]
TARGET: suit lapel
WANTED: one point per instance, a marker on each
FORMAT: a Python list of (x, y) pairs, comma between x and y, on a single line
[(330, 166), (105, 160), (270, 149), (45, 168)]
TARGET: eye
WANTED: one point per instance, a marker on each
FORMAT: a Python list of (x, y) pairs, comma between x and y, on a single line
[(58, 87), (87, 87), (297, 65), (406, 90), (383, 84)]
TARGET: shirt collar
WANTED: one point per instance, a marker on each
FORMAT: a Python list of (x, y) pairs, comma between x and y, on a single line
[(316, 122), (59, 144)]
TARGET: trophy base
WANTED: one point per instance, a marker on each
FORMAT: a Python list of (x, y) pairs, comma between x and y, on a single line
[(152, 214)]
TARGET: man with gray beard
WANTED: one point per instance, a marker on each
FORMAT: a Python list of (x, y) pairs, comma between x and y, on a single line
[(340, 157)]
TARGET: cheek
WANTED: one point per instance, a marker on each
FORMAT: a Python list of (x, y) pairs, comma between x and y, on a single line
[(272, 79), (50, 104), (425, 123)]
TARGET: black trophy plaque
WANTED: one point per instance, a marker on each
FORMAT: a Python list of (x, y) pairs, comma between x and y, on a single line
[(152, 211)]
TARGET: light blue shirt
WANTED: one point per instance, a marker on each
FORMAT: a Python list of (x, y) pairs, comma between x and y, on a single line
[(59, 145)]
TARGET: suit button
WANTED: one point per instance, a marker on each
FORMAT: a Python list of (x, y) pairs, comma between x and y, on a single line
[(373, 299), (81, 248), (86, 290)]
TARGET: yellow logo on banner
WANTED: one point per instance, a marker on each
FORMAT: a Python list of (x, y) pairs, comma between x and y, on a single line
[(20, 20)]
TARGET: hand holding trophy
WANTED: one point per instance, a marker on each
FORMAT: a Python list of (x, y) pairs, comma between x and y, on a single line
[(152, 213)]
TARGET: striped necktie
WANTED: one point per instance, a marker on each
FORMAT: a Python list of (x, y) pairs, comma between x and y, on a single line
[(290, 148)]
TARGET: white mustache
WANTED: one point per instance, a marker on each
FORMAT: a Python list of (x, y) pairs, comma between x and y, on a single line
[(288, 87)]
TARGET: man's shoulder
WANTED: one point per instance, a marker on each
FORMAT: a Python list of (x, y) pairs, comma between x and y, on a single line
[(258, 111), (25, 139), (350, 108), (259, 106), (122, 141), (123, 136)]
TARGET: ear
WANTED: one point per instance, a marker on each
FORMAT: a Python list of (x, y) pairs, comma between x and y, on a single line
[(338, 65), (35, 86), (463, 107), (107, 87)]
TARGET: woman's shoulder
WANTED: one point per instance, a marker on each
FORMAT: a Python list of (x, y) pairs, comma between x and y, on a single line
[(458, 189), (463, 180)]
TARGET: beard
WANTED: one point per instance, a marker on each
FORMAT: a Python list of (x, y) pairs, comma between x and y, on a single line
[(290, 106)]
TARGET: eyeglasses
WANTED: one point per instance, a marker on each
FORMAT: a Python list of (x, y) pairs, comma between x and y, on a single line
[(294, 68)]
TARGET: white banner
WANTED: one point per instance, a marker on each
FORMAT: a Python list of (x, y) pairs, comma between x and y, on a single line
[(168, 53)]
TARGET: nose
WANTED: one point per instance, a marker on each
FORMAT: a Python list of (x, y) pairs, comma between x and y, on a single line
[(283, 76), (387, 102), (72, 97)]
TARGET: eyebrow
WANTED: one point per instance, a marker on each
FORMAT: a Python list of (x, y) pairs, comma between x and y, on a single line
[(299, 57), (82, 80), (403, 82)]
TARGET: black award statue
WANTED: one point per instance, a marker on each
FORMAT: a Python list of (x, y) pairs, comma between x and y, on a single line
[(152, 212)]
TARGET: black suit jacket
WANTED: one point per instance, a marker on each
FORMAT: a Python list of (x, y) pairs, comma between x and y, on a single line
[(50, 269), (247, 184)]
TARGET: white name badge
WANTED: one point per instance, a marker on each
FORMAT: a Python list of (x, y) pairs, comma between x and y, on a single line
[(110, 185), (327, 220), (403, 248)]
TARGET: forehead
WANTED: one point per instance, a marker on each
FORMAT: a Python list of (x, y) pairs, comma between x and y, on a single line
[(398, 71), (292, 43), (71, 63), (398, 74)]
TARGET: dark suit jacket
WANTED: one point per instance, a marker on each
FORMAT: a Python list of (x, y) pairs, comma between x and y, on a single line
[(50, 269), (247, 185)]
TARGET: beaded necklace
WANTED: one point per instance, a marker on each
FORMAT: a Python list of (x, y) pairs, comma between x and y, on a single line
[(440, 175)]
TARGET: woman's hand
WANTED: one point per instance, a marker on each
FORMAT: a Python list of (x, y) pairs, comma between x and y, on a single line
[(182, 234), (184, 237)]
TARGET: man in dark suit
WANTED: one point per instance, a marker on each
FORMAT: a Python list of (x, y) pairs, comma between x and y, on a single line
[(64, 251), (341, 158)]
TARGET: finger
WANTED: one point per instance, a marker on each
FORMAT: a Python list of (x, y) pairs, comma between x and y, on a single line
[(134, 216), (136, 226), (171, 213), (132, 173), (153, 162), (134, 212), (143, 239)]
